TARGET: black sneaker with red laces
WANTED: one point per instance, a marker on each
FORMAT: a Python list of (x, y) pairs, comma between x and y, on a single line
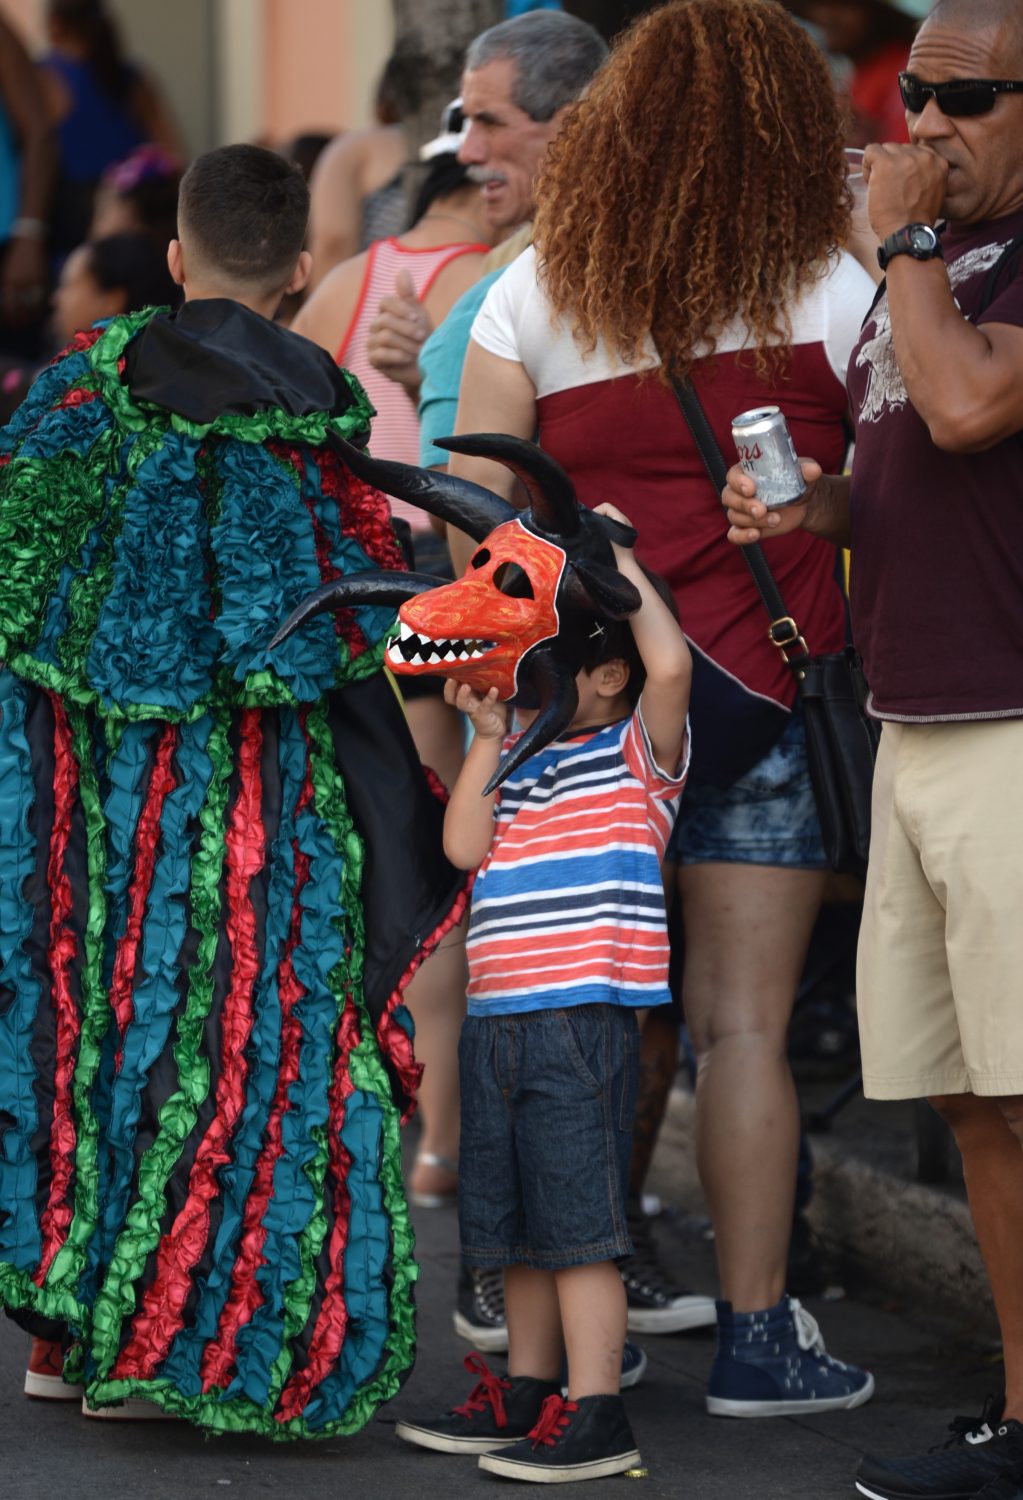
[(500, 1410), (981, 1451), (585, 1439)]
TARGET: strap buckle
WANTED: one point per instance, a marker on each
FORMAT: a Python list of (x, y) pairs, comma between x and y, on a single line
[(784, 633)]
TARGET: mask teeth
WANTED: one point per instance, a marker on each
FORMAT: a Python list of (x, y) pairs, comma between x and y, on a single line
[(411, 646)]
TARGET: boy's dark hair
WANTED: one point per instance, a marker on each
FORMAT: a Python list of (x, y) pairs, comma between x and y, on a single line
[(245, 211), (134, 263), (613, 639)]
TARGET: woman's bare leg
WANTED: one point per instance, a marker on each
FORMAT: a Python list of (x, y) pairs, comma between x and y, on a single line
[(747, 929)]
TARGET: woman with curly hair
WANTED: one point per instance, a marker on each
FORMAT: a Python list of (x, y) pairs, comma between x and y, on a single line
[(689, 219)]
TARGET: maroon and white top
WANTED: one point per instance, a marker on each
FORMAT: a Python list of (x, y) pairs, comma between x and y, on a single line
[(623, 439)]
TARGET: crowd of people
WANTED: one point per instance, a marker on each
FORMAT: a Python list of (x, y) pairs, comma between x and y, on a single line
[(200, 1198)]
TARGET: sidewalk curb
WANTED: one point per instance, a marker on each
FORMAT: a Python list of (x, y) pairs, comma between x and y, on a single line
[(902, 1240)]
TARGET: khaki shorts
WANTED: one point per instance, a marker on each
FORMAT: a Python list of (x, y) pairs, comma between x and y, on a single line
[(940, 969)]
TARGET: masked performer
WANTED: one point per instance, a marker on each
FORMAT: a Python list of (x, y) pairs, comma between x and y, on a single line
[(219, 862)]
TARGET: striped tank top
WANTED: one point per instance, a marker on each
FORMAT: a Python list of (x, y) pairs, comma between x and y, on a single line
[(395, 431)]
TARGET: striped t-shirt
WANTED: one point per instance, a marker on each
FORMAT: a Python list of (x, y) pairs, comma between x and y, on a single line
[(568, 906)]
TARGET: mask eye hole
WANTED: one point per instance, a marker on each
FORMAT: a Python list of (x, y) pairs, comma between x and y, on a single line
[(480, 559), (512, 580)]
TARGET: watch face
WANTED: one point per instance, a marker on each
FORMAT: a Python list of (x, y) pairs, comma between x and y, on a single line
[(921, 237)]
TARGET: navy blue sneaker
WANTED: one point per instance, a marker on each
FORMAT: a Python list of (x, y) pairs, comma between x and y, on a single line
[(981, 1458), (774, 1364), (634, 1363)]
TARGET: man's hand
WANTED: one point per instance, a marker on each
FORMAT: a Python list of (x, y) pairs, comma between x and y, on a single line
[(397, 333), (905, 185), (488, 717), (751, 521)]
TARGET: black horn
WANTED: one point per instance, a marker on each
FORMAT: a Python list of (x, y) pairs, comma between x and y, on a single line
[(554, 682), (551, 492), (357, 588), (468, 506)]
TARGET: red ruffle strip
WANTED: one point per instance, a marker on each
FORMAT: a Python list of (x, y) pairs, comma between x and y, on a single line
[(62, 948), (147, 839), (160, 1316), (82, 340), (245, 1294)]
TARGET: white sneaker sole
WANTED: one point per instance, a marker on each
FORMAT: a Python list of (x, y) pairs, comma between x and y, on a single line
[(128, 1411), (490, 1340), (872, 1494), (51, 1388), (695, 1312), (597, 1468), (719, 1407), (439, 1443)]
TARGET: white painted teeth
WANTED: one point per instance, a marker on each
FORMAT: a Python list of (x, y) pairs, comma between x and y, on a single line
[(406, 631)]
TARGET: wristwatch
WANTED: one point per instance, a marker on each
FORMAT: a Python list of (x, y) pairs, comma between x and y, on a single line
[(918, 240)]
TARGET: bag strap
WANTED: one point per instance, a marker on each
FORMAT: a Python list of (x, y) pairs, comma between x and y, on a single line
[(783, 631)]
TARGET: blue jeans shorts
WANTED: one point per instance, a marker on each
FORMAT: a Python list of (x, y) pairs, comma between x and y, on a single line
[(767, 817), (548, 1099)]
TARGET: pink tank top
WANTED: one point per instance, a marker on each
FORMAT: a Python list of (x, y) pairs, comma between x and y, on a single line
[(395, 432)]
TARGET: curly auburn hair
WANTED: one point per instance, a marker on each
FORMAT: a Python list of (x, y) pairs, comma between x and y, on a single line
[(700, 180)]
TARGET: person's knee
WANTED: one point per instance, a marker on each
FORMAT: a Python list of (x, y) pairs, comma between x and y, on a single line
[(719, 1033), (965, 1114)]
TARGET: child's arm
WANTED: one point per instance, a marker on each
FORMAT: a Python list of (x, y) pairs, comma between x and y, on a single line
[(665, 653), (469, 818)]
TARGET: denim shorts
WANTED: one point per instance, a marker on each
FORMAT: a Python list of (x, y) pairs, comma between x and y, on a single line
[(548, 1099), (767, 817)]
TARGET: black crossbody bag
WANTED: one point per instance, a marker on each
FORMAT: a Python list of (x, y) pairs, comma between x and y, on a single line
[(841, 740)]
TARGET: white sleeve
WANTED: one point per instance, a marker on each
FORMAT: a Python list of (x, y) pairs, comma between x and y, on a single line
[(498, 322), (848, 294)]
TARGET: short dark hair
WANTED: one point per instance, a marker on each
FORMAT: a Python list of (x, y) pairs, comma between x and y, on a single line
[(245, 212), (613, 640)]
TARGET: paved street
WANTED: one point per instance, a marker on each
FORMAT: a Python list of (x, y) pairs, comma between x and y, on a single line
[(925, 1373)]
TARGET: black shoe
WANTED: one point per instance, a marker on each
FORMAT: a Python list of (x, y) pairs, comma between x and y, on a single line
[(499, 1411), (1008, 1486), (979, 1451), (479, 1314), (656, 1304), (584, 1439)]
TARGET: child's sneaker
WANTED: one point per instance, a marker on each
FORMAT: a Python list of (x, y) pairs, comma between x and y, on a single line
[(584, 1439), (500, 1410), (43, 1378), (773, 1364)]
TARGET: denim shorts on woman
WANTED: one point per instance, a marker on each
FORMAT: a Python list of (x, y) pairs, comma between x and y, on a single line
[(548, 1099), (767, 817)]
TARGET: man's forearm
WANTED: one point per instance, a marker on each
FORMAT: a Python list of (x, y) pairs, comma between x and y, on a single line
[(827, 515)]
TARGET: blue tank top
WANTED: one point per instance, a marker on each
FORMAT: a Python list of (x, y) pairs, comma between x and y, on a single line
[(97, 130), (10, 177)]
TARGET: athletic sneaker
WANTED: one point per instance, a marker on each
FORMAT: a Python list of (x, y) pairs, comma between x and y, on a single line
[(774, 1364), (980, 1450), (43, 1378), (656, 1303), (479, 1314), (127, 1411), (499, 1411), (1008, 1486), (585, 1439)]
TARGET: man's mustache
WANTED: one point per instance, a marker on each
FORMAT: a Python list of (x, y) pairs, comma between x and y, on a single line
[(481, 175)]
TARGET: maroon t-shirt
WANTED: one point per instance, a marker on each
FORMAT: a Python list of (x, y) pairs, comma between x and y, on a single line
[(937, 574)]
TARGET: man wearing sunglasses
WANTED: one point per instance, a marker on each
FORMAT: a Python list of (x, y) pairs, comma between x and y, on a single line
[(934, 515)]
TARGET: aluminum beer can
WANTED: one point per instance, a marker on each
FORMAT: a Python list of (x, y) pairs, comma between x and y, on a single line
[(767, 455)]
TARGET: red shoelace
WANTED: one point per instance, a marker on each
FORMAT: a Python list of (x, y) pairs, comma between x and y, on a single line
[(552, 1421), (487, 1392)]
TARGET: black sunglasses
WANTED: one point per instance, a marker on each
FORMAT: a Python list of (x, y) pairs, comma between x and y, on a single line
[(958, 97)]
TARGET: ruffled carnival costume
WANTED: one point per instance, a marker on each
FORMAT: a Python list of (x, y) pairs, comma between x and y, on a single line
[(219, 865)]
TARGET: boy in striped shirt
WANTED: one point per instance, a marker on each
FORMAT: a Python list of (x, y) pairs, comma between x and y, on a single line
[(567, 938)]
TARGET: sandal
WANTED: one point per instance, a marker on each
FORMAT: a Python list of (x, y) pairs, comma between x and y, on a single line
[(423, 1198)]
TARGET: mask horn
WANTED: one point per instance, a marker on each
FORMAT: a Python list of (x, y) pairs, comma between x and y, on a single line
[(551, 492), (470, 507), (357, 588), (559, 699)]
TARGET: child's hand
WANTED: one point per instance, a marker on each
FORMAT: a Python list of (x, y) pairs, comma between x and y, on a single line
[(614, 514), (488, 717)]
